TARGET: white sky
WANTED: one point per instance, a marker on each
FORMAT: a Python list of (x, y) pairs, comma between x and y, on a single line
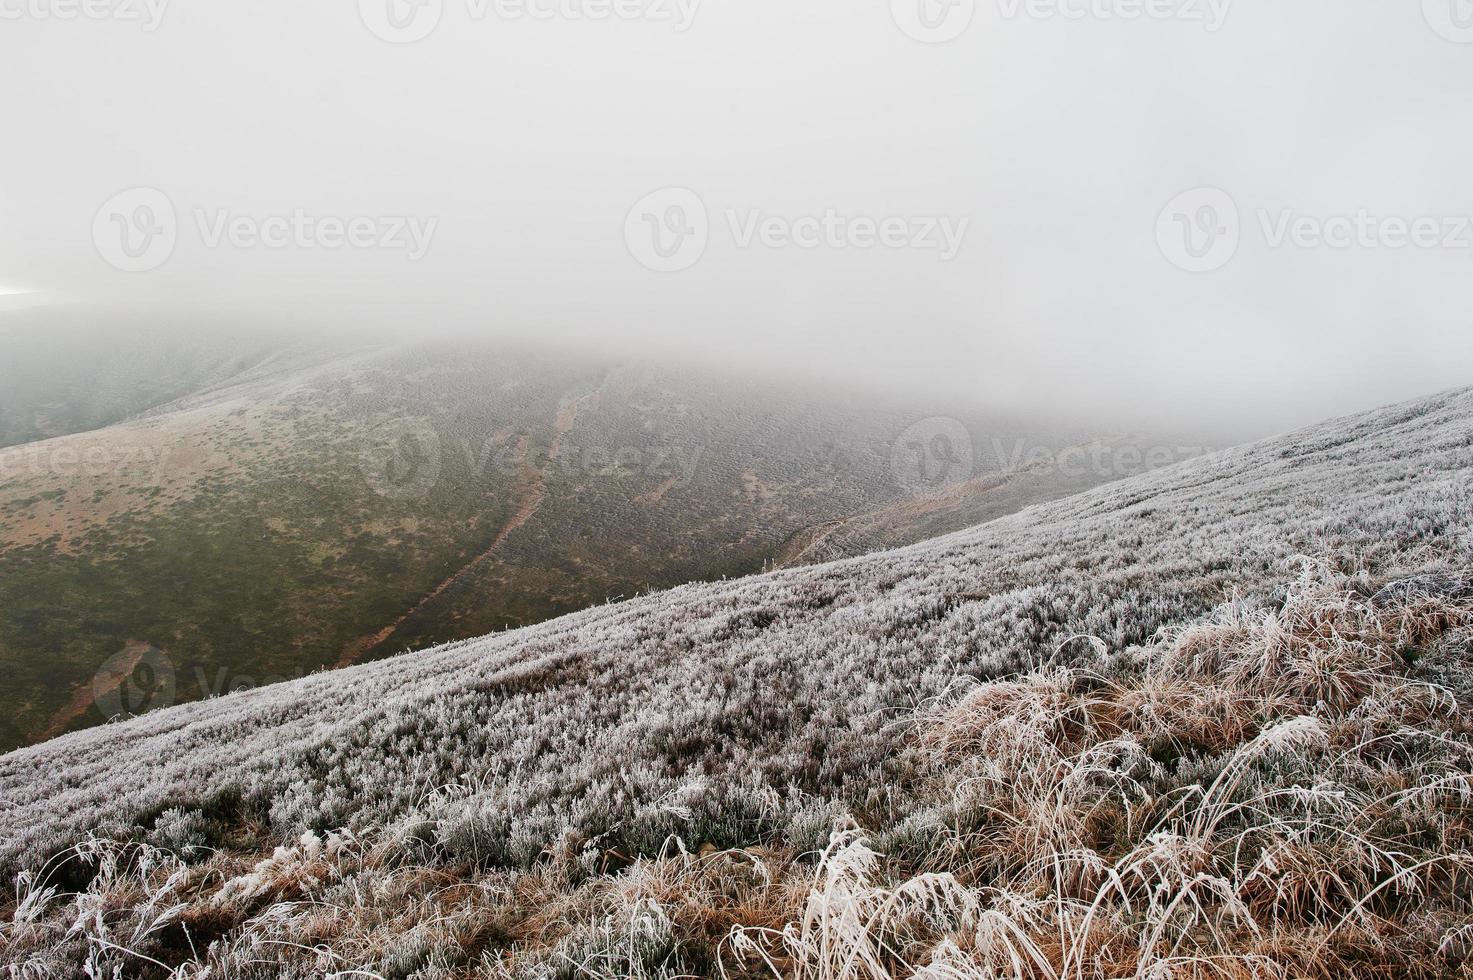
[(1059, 140)]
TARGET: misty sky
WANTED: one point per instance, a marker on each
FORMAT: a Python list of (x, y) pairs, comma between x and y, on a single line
[(999, 214)]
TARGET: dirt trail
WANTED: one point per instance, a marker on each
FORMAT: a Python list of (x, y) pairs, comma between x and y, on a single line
[(531, 490)]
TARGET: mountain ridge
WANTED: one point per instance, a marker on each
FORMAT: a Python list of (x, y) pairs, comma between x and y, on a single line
[(319, 503)]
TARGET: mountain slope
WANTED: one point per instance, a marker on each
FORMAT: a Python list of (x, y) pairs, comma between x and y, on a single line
[(311, 506), (69, 369), (746, 686), (1216, 721)]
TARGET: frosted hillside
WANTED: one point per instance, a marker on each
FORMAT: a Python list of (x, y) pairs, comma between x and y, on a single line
[(330, 503), (724, 712)]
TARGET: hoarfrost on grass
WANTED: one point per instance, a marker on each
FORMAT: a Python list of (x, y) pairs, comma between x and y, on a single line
[(1136, 720)]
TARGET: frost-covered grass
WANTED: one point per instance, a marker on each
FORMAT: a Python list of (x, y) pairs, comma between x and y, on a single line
[(1127, 734), (1267, 792)]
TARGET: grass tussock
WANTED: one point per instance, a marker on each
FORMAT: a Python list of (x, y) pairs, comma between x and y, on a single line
[(1267, 793), (1279, 790)]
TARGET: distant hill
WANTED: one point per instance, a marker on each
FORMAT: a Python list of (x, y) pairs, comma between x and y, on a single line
[(1218, 713), (70, 369), (259, 508)]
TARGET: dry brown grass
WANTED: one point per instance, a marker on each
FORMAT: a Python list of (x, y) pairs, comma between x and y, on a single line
[(1268, 793)]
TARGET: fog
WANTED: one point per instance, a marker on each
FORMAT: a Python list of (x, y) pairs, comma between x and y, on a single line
[(1244, 215)]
